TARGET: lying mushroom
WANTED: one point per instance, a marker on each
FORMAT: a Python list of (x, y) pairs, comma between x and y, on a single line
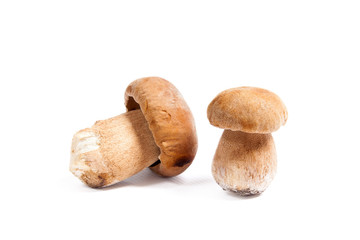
[(158, 131), (245, 159)]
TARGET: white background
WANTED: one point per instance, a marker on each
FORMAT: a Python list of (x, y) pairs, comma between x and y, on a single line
[(66, 64)]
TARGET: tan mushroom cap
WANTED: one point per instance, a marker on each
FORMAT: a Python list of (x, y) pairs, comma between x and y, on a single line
[(170, 121), (247, 109)]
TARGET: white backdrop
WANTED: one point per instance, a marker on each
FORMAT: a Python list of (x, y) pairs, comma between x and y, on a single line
[(66, 64)]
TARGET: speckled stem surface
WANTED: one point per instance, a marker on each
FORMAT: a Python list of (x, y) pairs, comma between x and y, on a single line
[(113, 150), (245, 163)]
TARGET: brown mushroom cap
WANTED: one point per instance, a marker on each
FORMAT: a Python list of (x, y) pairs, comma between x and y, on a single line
[(247, 109), (170, 121)]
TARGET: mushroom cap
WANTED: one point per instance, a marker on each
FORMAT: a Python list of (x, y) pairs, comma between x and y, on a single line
[(170, 121), (247, 109)]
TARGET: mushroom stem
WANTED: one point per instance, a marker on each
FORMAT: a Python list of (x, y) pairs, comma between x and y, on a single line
[(113, 149), (244, 163)]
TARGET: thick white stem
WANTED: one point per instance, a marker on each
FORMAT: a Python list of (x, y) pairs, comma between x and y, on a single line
[(113, 150), (245, 162)]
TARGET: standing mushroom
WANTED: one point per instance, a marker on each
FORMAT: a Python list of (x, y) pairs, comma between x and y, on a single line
[(245, 159), (158, 131)]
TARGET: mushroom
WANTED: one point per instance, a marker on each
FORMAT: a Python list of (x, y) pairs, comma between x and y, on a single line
[(245, 159), (157, 131)]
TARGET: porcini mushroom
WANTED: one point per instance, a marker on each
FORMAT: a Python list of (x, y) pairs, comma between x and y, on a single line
[(245, 160), (157, 131)]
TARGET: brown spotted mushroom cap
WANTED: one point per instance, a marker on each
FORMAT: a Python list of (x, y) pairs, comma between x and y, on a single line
[(170, 121), (247, 109)]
